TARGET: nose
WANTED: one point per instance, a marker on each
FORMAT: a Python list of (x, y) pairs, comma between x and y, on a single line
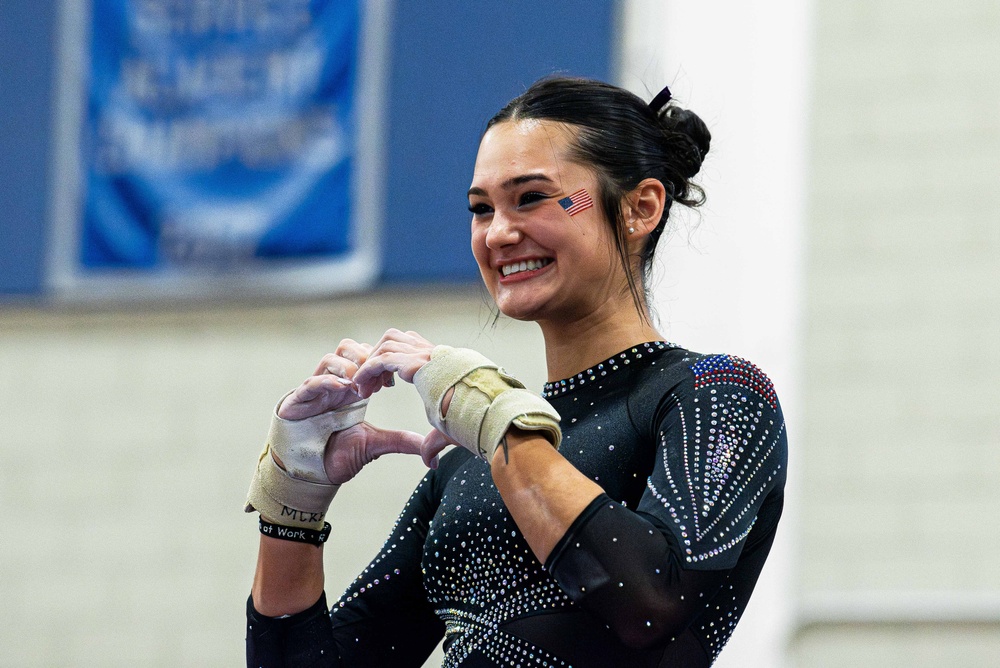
[(503, 231)]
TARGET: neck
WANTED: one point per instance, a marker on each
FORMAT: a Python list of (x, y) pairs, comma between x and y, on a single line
[(572, 346)]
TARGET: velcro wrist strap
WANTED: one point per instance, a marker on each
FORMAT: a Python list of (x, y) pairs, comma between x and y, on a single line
[(445, 369), (486, 401), (282, 498), (468, 406), (523, 409)]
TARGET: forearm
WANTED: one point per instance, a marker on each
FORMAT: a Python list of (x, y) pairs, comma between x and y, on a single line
[(289, 577), (543, 492)]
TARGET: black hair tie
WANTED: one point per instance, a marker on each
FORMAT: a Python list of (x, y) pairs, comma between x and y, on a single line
[(660, 101)]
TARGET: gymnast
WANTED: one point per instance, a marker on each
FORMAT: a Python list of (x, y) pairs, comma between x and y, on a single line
[(619, 518)]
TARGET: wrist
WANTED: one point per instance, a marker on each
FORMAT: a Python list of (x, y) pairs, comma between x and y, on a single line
[(520, 440), (274, 493), (474, 402), (295, 534)]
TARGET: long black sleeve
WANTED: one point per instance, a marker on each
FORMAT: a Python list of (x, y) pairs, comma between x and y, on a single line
[(622, 568), (717, 475), (383, 619)]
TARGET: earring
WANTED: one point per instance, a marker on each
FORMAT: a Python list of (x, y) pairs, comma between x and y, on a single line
[(631, 230)]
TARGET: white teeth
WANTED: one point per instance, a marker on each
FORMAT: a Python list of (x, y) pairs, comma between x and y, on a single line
[(527, 265)]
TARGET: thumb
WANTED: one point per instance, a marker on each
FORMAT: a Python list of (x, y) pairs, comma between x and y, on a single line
[(433, 443), (384, 441)]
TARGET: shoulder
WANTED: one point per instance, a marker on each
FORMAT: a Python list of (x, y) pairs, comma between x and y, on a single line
[(688, 381), (686, 373), (729, 372), (722, 454), (725, 407)]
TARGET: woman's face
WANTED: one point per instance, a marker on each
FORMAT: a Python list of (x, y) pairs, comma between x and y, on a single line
[(538, 261)]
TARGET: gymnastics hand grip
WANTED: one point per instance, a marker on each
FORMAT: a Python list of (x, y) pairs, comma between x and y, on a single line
[(300, 493), (485, 403)]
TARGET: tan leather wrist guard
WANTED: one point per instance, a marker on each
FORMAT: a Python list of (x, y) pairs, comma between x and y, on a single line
[(486, 401), (300, 493)]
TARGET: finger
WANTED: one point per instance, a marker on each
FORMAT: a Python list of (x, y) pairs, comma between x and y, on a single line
[(432, 445), (324, 384), (385, 441), (392, 334), (416, 338), (388, 379), (336, 365), (402, 358), (400, 342), (354, 351), (368, 377), (404, 364), (409, 337), (317, 394), (395, 340)]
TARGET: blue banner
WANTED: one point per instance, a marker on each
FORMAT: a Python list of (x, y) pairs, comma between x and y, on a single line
[(219, 134)]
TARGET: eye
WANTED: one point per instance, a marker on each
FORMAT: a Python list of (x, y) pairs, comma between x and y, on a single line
[(532, 197), (480, 209)]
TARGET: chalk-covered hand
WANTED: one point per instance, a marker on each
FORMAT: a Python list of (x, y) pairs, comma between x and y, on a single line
[(317, 441), (468, 399), (397, 352)]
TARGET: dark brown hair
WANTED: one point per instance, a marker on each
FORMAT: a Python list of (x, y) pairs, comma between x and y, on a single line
[(624, 141)]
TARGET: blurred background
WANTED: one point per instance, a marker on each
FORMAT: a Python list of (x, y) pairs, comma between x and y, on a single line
[(199, 199)]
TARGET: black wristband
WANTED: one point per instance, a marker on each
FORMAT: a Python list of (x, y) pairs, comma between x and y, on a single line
[(295, 534)]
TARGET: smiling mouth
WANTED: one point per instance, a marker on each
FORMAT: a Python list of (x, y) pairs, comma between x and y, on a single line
[(526, 265)]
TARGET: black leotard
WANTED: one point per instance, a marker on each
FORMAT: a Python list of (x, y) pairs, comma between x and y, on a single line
[(690, 450)]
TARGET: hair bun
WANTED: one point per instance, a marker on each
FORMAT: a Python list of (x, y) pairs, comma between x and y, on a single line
[(687, 123)]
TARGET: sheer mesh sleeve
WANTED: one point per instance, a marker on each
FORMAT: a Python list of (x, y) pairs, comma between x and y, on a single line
[(719, 451), (383, 619)]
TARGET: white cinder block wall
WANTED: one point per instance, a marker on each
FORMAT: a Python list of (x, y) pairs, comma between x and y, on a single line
[(901, 442), (129, 438)]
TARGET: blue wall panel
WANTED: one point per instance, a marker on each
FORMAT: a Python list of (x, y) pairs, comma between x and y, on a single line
[(454, 64), (27, 54)]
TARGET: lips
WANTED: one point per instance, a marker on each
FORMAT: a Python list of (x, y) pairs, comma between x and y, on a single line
[(522, 266)]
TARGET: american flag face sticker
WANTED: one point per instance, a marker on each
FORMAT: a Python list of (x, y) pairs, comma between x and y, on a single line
[(577, 202)]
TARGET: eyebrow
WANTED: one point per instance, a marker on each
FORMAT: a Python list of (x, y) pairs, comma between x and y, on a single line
[(514, 181)]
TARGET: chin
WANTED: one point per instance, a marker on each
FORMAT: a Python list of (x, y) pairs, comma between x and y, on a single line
[(516, 314), (524, 312)]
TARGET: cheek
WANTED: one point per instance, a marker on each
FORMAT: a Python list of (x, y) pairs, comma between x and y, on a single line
[(480, 251)]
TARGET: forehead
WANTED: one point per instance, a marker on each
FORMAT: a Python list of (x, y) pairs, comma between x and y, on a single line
[(514, 148)]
